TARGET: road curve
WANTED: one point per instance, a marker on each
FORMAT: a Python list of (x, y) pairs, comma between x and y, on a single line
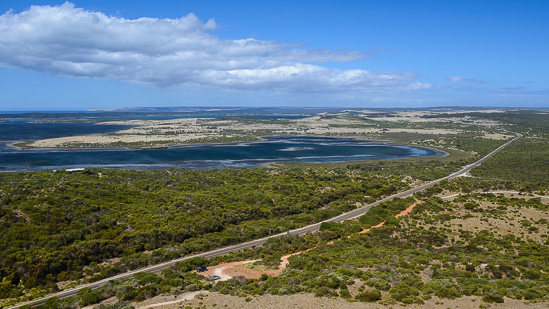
[(222, 251)]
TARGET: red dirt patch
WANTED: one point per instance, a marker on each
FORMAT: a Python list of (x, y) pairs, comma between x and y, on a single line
[(228, 270), (401, 214)]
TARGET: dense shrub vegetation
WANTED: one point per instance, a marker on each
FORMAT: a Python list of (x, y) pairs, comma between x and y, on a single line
[(57, 226), (527, 160), (423, 255)]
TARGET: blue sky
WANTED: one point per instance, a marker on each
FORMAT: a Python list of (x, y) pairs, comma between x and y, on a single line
[(105, 54)]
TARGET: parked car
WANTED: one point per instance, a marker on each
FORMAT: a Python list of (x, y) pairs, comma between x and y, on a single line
[(201, 269), (214, 277)]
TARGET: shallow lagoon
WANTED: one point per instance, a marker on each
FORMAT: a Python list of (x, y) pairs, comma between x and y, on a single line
[(272, 149)]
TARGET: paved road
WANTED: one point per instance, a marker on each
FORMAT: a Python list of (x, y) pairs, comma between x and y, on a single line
[(254, 243)]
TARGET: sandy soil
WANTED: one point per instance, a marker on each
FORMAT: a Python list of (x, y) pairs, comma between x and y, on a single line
[(408, 210), (109, 140), (216, 300), (165, 301), (419, 116), (371, 228), (227, 270), (497, 136), (511, 222), (184, 130), (174, 131), (244, 268)]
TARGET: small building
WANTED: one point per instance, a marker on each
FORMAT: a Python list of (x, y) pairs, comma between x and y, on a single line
[(75, 170)]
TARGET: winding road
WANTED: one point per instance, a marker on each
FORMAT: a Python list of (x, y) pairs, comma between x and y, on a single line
[(254, 243)]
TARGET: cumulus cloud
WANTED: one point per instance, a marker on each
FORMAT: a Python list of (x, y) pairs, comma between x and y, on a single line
[(457, 79), (69, 41)]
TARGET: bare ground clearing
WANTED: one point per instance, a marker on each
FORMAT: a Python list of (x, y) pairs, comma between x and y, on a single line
[(309, 301)]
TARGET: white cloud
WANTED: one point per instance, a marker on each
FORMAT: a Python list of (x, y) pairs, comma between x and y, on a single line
[(457, 79), (69, 41)]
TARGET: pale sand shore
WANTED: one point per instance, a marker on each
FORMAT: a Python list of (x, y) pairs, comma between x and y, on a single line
[(121, 137), (108, 140), (127, 137)]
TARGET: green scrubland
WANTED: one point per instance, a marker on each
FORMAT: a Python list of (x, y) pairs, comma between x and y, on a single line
[(58, 227)]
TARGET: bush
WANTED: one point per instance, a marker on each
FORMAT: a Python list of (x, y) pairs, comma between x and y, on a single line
[(331, 226), (369, 296), (404, 293), (191, 264), (531, 294), (89, 296), (147, 278), (345, 294), (271, 261), (531, 274), (492, 298), (324, 291)]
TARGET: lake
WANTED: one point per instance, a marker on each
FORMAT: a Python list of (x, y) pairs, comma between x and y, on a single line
[(33, 126), (250, 154)]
